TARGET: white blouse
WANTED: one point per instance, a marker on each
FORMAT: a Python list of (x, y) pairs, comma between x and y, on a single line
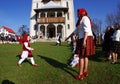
[(85, 26), (116, 35), (26, 45)]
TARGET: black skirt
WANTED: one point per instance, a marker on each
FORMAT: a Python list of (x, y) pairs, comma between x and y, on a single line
[(115, 47)]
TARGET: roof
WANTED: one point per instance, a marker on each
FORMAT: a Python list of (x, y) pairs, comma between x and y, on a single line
[(8, 29), (51, 4)]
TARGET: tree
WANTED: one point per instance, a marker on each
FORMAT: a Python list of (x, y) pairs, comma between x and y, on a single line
[(118, 13), (110, 19), (22, 30), (113, 18), (96, 25)]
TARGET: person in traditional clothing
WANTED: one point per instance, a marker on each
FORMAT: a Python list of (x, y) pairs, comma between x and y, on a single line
[(27, 51), (107, 42), (85, 44), (115, 47), (58, 42)]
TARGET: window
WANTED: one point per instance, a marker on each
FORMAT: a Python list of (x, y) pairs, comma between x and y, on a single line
[(36, 5), (42, 15), (68, 26), (59, 14), (51, 14), (68, 16), (67, 4)]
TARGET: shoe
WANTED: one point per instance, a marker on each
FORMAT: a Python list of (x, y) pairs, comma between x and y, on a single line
[(114, 63), (85, 73), (34, 64), (79, 77), (19, 65)]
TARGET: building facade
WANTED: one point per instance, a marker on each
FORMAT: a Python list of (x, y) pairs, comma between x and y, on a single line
[(5, 31), (52, 17)]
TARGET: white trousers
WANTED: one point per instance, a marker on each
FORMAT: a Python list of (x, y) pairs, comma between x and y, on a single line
[(25, 56)]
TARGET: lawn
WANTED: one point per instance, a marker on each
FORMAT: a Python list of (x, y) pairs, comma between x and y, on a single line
[(53, 67)]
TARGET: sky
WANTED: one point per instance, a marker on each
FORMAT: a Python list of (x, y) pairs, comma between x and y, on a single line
[(15, 13)]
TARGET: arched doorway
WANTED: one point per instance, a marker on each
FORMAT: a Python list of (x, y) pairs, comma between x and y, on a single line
[(59, 30), (51, 31), (42, 31)]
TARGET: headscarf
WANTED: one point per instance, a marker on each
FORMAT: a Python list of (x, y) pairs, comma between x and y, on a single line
[(25, 38), (82, 12)]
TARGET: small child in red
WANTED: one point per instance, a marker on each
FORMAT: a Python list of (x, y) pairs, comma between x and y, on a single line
[(27, 51)]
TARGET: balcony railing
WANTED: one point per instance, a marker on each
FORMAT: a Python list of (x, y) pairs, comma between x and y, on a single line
[(51, 20), (49, 0)]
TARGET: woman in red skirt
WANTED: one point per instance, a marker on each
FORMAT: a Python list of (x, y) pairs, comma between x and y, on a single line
[(85, 44)]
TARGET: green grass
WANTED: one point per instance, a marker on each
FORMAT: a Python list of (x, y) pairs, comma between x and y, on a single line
[(53, 68)]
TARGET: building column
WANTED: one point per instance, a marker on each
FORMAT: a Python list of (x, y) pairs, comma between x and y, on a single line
[(39, 31), (55, 30), (45, 31), (64, 31), (55, 14), (39, 15), (45, 14), (63, 14)]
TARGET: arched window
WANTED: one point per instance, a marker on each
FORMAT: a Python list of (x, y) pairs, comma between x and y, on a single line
[(59, 30)]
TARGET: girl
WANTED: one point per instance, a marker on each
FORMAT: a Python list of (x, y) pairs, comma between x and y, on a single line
[(27, 51)]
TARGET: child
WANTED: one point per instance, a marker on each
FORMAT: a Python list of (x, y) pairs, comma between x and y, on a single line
[(27, 51), (58, 42), (74, 61)]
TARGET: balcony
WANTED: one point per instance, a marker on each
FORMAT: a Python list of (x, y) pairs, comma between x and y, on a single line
[(51, 20), (49, 0)]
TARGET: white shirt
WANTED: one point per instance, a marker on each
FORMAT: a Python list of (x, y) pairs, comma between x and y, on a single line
[(85, 26), (116, 35), (26, 45)]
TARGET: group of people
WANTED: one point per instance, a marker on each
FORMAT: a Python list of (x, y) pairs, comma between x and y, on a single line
[(84, 44), (7, 39), (111, 42)]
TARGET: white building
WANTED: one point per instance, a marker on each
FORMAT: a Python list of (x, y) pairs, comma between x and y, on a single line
[(52, 17), (6, 31)]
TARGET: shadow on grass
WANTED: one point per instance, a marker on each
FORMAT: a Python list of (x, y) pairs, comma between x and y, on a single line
[(58, 64), (62, 44), (7, 82), (100, 56)]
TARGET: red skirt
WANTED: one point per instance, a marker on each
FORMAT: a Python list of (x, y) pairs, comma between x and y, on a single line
[(88, 50), (30, 54)]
